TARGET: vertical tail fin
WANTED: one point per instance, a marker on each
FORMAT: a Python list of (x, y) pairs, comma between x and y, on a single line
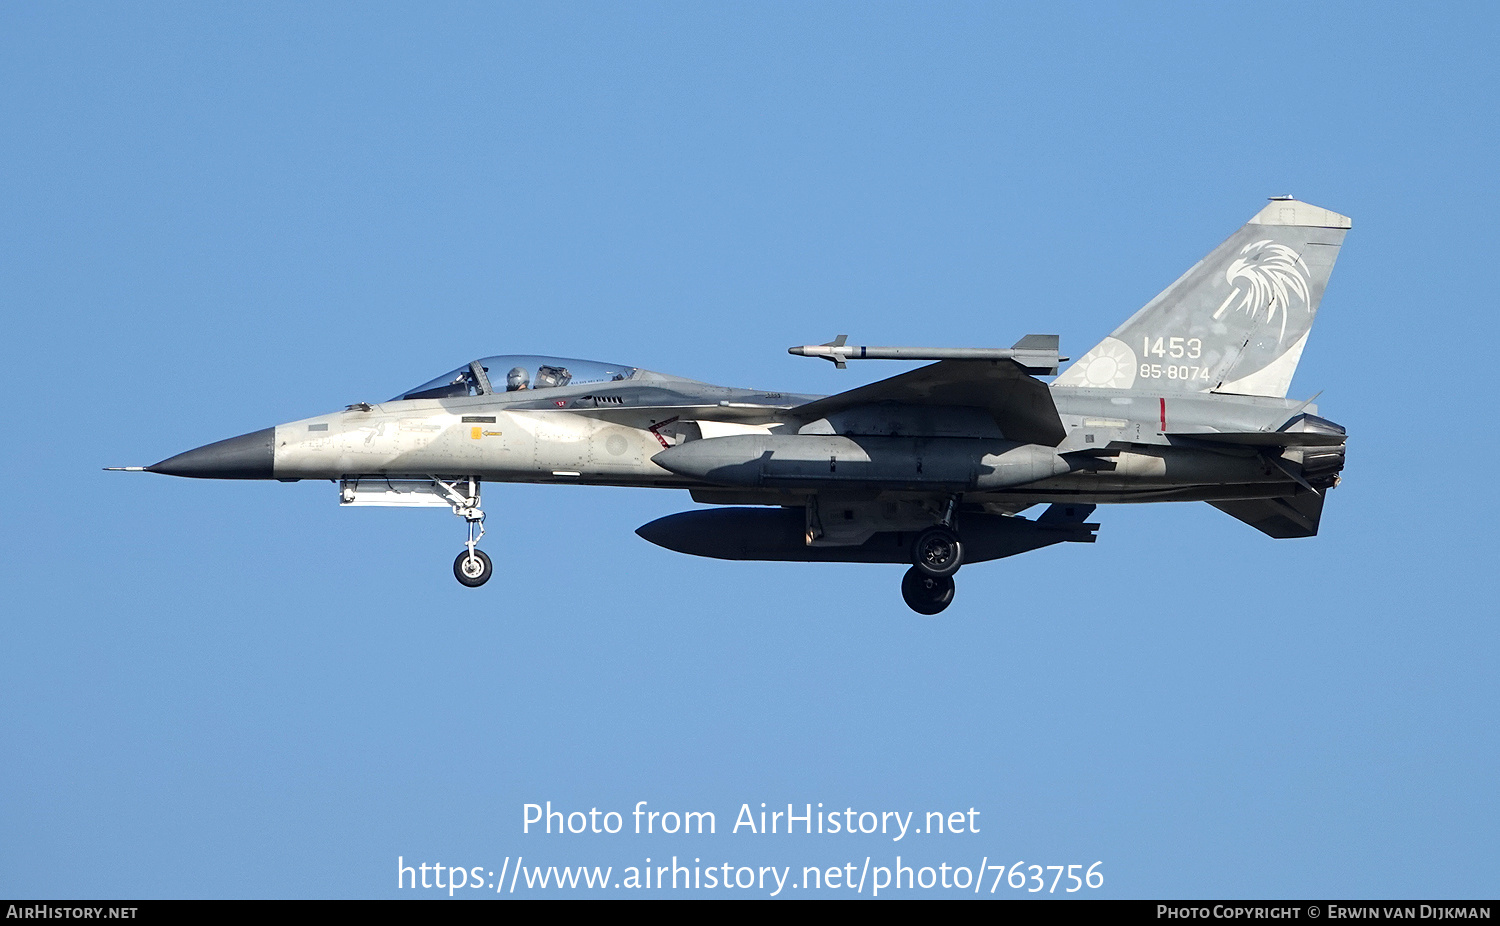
[(1236, 322)]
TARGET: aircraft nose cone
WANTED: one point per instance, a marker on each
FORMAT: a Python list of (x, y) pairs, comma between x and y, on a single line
[(249, 456)]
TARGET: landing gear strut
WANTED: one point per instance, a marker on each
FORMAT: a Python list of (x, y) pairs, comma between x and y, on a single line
[(472, 568), (926, 594)]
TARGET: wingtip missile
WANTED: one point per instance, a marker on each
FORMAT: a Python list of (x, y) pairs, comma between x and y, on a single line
[(1035, 353), (834, 350)]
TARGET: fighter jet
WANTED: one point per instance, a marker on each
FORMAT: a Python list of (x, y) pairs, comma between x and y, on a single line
[(931, 468)]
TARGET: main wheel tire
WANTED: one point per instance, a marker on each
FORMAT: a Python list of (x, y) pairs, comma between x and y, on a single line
[(926, 594), (937, 552), (466, 572)]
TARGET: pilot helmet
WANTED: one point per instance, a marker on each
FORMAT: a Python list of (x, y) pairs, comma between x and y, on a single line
[(516, 379)]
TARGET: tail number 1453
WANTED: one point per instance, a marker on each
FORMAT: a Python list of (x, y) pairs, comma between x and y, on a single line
[(1176, 348)]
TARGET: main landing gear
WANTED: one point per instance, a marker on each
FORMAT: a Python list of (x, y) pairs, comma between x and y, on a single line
[(926, 594), (937, 552), (472, 567), (935, 555)]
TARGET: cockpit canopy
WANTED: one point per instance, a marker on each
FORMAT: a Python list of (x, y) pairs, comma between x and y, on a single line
[(517, 373)]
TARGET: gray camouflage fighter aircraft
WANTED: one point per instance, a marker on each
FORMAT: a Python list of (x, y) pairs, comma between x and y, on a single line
[(1186, 401)]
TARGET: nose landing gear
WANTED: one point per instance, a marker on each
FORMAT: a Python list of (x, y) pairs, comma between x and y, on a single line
[(472, 567)]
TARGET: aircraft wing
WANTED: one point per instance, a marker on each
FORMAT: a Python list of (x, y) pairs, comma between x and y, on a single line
[(1022, 405)]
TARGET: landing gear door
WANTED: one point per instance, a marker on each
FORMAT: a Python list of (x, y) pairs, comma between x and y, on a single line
[(378, 491)]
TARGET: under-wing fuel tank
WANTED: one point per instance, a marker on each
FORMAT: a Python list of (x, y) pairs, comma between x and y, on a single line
[(778, 534)]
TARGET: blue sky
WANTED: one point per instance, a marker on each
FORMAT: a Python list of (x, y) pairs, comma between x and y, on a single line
[(222, 217)]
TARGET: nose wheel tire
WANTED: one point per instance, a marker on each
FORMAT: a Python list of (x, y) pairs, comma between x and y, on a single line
[(926, 594), (937, 552), (474, 571)]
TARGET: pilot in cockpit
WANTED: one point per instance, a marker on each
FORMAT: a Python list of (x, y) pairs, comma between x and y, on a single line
[(517, 380)]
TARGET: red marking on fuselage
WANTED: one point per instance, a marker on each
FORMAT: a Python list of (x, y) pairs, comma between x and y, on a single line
[(1164, 415), (657, 434)]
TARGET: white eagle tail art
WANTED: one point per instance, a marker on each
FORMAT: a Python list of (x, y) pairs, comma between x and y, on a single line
[(1266, 274)]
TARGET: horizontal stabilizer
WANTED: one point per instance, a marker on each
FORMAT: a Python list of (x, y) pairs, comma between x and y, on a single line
[(1263, 438), (1302, 431), (1289, 516), (1021, 405), (1066, 513)]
